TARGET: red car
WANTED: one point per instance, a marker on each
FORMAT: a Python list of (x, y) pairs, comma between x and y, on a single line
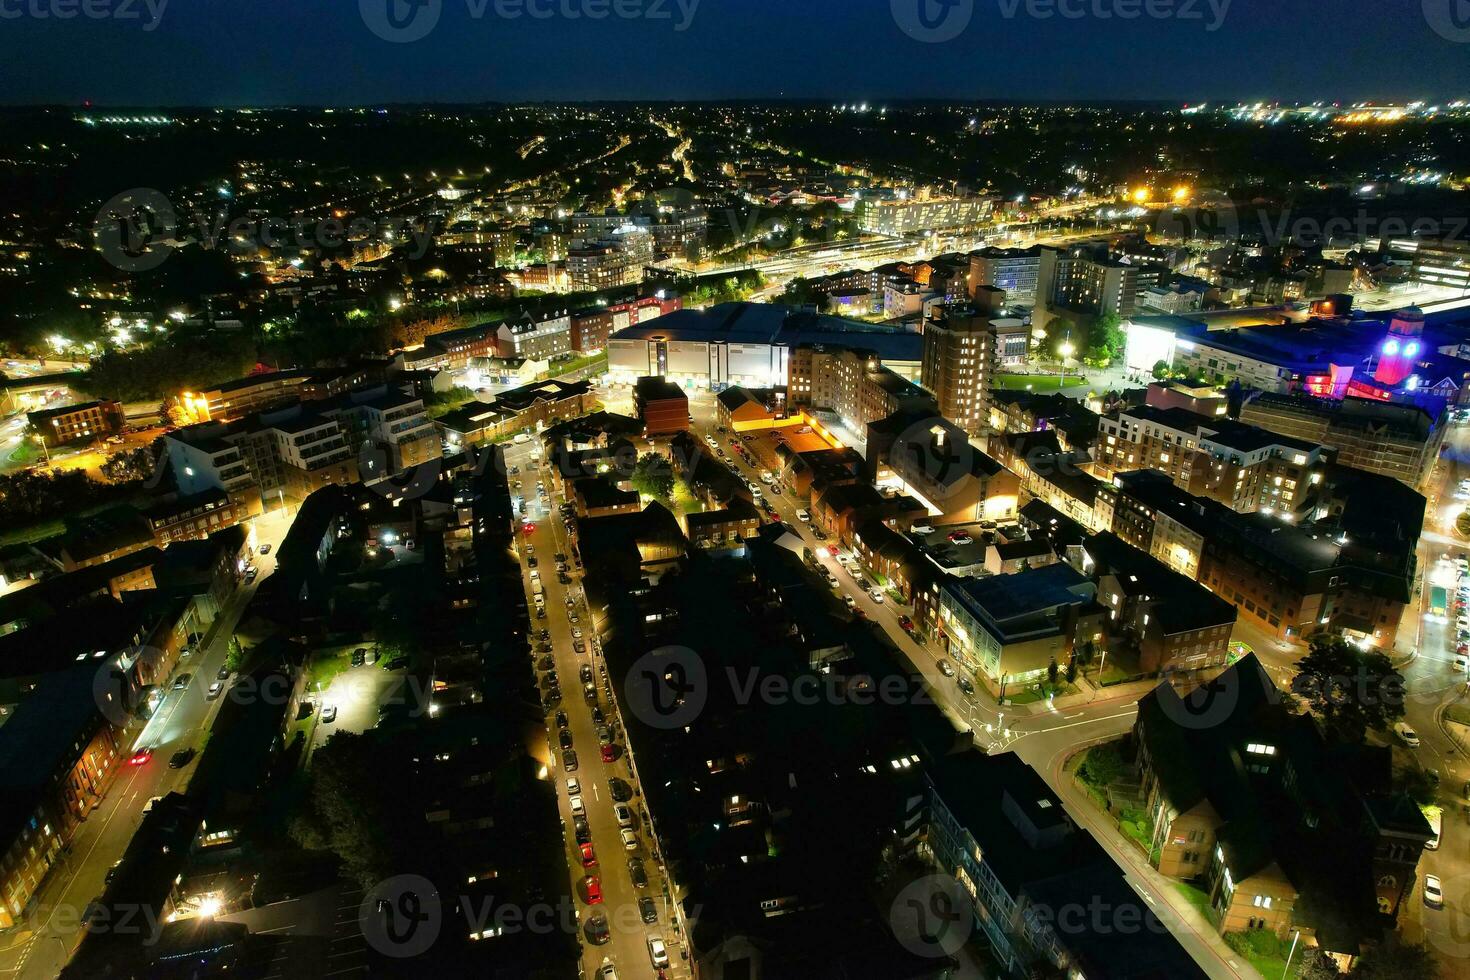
[(607, 753), (589, 858), (906, 623), (594, 890), (529, 528), (141, 756)]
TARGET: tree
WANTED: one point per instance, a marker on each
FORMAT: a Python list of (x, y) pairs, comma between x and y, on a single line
[(1101, 765), (653, 476), (1071, 670), (1396, 960), (1052, 672), (1105, 340), (1352, 689), (1161, 370), (1462, 524)]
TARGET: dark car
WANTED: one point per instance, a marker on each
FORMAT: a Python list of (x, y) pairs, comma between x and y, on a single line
[(586, 673), (398, 663), (182, 681), (531, 562), (359, 657), (965, 685), (583, 830), (636, 872), (223, 674), (551, 679), (579, 646), (597, 718), (647, 909), (565, 737), (569, 760), (543, 648), (552, 699), (560, 557), (564, 578), (547, 662), (181, 758), (545, 633), (561, 719), (597, 932), (604, 735), (621, 791)]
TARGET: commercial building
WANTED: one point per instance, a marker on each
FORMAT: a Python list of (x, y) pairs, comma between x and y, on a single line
[(1282, 830), (1014, 270), (750, 344), (591, 327), (1442, 262), (71, 424), (1007, 630), (661, 406), (852, 383), (961, 357), (1398, 440)]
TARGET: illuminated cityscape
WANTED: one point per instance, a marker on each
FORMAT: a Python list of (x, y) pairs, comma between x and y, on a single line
[(998, 474)]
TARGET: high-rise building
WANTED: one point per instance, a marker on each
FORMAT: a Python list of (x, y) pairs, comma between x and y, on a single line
[(960, 358), (905, 217), (1012, 269)]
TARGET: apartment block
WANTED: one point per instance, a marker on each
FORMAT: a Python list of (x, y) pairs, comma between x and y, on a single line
[(961, 356), (236, 399), (72, 424), (1014, 270), (1394, 439), (532, 338)]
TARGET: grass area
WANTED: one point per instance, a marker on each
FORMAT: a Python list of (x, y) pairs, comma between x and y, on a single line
[(1136, 824), (1458, 713), (1265, 952), (1031, 695), (326, 664), (685, 502), (576, 364), (24, 454), (1036, 382), (1194, 896)]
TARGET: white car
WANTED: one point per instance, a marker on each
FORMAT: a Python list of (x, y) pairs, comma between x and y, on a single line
[(658, 952), (574, 786), (578, 809), (803, 516), (877, 596), (624, 813), (1406, 734), (1433, 892), (630, 839), (576, 632), (850, 601)]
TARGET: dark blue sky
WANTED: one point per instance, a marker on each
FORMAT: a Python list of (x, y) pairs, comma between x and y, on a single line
[(233, 52)]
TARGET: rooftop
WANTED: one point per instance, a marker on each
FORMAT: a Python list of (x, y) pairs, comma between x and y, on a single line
[(766, 323)]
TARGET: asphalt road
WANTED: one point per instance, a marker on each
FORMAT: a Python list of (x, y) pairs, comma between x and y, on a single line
[(627, 947), (39, 948)]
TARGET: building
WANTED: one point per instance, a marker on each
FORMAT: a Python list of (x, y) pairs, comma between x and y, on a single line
[(236, 399), (1282, 829), (1028, 411), (1026, 870), (294, 450), (725, 528), (1398, 440), (532, 407), (1056, 476), (58, 753), (899, 218), (1014, 270), (1170, 620), (591, 327), (661, 406), (1244, 467), (749, 344), (71, 424), (1007, 630), (1086, 279), (1443, 262), (599, 497), (930, 459), (852, 383), (738, 408), (961, 358), (533, 338)]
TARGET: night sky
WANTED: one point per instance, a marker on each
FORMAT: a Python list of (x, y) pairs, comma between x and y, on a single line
[(270, 52)]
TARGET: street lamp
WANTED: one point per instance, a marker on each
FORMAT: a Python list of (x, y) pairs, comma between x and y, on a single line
[(1066, 350)]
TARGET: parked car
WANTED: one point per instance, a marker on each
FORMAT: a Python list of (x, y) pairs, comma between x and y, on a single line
[(609, 753), (946, 668), (637, 873), (329, 714), (594, 890), (1433, 892), (658, 952), (578, 807), (215, 689), (597, 931), (359, 657), (966, 686), (265, 549), (223, 674), (182, 681), (624, 813), (565, 737), (181, 758), (569, 760), (630, 839), (582, 829)]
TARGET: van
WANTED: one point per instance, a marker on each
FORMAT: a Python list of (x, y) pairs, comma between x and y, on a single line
[(803, 516)]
